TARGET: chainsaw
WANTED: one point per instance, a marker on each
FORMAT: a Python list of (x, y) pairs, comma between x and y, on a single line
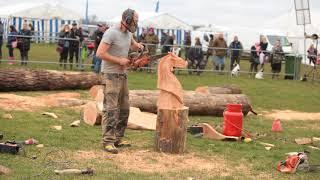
[(142, 58)]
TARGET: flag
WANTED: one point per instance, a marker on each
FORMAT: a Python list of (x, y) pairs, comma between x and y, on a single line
[(157, 7), (87, 15)]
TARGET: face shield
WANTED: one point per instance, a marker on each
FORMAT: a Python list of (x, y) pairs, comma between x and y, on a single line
[(133, 26)]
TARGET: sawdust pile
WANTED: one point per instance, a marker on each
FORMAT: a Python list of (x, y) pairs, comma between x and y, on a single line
[(153, 162), (27, 103), (291, 115)]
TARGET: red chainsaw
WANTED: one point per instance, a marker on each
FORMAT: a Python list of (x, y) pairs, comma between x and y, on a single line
[(142, 58)]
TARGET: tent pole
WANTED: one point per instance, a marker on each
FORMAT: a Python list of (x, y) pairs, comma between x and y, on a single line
[(305, 43)]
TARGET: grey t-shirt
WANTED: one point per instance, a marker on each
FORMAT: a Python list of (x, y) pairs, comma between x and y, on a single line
[(119, 42)]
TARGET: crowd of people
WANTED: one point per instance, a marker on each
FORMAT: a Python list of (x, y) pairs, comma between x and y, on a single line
[(218, 51), (20, 40), (71, 41)]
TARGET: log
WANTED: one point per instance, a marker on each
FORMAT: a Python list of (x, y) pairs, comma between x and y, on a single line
[(171, 130), (198, 103), (91, 114), (225, 89), (14, 79)]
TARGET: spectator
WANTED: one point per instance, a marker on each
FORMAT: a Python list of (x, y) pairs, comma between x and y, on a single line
[(264, 47), (195, 57), (97, 36), (24, 43), (152, 40), (64, 45), (167, 46), (235, 51), (254, 59), (12, 43), (210, 47), (1, 39), (276, 59), (142, 37), (75, 44), (220, 48), (31, 29), (187, 44), (312, 54), (164, 35)]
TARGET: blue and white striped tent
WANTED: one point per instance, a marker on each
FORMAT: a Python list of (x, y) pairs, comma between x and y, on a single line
[(46, 19), (160, 22)]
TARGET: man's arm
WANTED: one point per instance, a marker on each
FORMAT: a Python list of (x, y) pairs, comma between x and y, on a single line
[(135, 46), (103, 54)]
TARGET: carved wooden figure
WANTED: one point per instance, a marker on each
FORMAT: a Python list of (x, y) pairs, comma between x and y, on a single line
[(171, 129)]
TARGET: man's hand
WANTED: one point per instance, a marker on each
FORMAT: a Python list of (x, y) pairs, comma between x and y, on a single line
[(140, 46), (124, 61)]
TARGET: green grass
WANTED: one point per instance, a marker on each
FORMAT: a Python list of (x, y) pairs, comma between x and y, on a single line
[(265, 94)]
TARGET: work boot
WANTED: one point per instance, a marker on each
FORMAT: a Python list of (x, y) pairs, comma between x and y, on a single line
[(122, 143), (111, 149)]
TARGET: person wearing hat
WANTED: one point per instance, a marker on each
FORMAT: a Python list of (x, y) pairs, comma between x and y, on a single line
[(152, 40), (142, 37), (113, 50), (97, 36), (75, 34)]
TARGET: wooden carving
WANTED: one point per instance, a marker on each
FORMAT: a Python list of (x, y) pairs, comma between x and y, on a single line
[(171, 92), (171, 128)]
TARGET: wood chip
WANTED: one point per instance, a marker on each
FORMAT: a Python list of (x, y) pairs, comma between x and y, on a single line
[(7, 116), (75, 124), (303, 141), (40, 146), (4, 170), (58, 128), (266, 144), (53, 115), (268, 148), (315, 139), (312, 147)]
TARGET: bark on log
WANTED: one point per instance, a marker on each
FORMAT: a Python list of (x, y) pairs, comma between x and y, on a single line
[(225, 89), (38, 80), (171, 130), (198, 103)]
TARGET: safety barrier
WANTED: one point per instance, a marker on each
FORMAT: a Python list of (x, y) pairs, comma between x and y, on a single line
[(84, 63)]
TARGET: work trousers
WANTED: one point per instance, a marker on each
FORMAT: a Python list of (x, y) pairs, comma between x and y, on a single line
[(115, 108)]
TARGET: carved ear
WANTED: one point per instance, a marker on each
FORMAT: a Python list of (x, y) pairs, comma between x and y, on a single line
[(178, 62)]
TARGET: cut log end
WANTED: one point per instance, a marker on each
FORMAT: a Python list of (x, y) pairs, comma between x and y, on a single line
[(91, 114), (171, 130)]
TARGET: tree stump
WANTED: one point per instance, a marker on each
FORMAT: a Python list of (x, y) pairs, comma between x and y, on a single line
[(171, 130)]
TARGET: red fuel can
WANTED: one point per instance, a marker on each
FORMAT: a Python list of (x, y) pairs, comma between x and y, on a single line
[(233, 120)]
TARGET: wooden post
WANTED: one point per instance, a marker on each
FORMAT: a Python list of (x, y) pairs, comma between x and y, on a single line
[(171, 130)]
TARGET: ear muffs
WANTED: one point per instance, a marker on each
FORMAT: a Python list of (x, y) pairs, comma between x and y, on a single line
[(129, 18)]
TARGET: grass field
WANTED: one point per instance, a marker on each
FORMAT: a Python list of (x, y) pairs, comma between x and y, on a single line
[(233, 160)]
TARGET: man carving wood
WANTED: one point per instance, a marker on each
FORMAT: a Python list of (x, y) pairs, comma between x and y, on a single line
[(113, 50)]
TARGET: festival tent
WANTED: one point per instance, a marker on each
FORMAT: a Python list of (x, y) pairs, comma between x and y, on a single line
[(287, 24), (46, 18), (160, 22)]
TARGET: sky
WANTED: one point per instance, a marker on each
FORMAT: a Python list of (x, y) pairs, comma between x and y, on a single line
[(229, 13)]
